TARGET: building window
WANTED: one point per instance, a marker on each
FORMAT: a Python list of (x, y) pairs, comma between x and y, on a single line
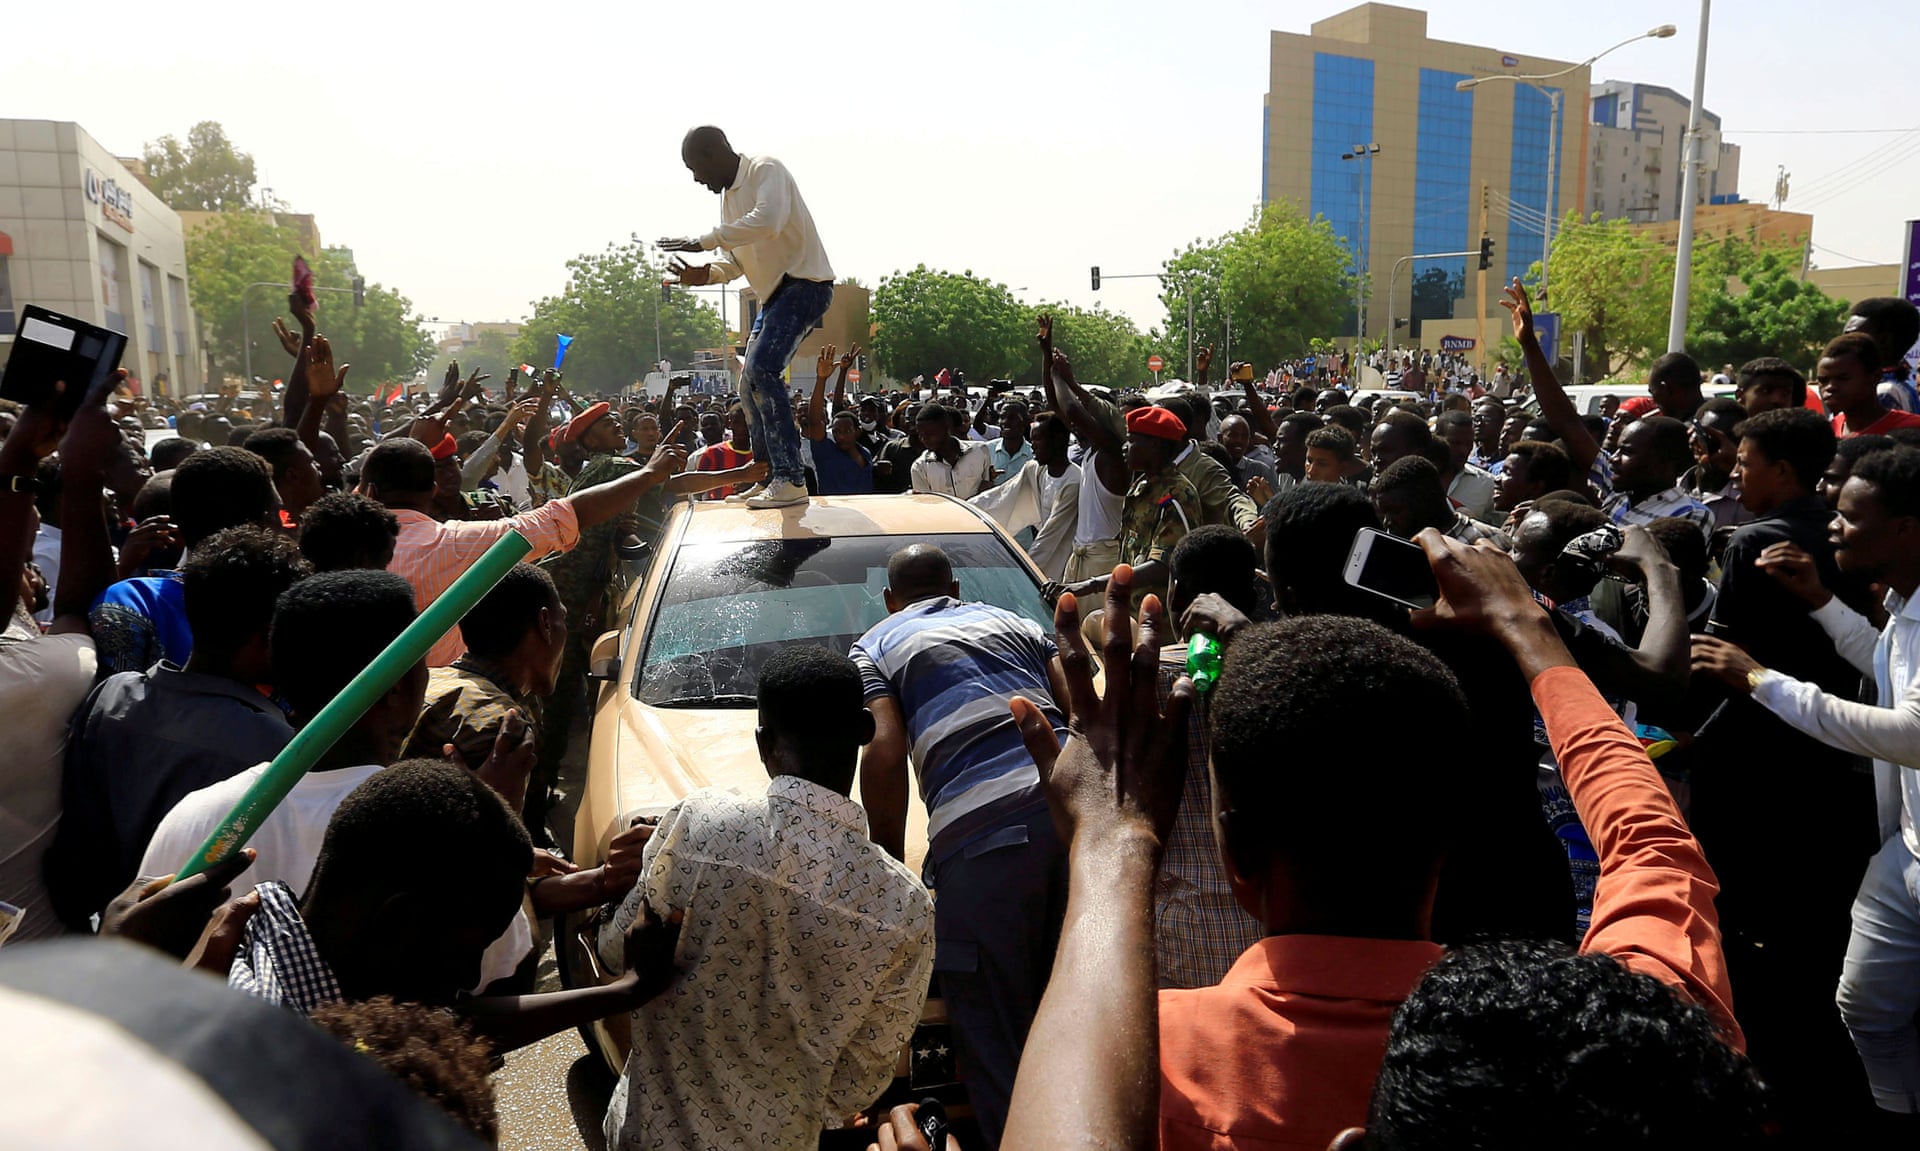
[(1527, 179), (177, 312), (1442, 197), (1342, 117), (150, 310)]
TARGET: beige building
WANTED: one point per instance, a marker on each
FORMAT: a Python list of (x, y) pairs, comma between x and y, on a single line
[(1862, 282), (81, 235), (1634, 151), (1370, 75), (848, 322), (1756, 223)]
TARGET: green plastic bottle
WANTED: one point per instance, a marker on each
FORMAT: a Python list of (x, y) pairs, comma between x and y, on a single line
[(1204, 657)]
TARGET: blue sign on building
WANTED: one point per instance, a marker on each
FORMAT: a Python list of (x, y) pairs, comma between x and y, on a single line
[(1547, 326)]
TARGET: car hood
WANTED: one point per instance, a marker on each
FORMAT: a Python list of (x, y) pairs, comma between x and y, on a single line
[(659, 755)]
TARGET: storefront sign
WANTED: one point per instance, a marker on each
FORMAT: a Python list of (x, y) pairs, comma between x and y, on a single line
[(116, 203), (1456, 343)]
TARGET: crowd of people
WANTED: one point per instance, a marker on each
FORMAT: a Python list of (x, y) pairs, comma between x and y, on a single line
[(1614, 844)]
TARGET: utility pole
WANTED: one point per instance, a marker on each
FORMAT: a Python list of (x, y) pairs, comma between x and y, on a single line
[(1689, 190), (1481, 311)]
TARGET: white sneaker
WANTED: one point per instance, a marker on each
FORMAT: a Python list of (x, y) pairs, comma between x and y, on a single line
[(779, 495), (745, 494)]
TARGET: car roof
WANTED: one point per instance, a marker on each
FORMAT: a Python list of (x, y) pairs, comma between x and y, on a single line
[(711, 521)]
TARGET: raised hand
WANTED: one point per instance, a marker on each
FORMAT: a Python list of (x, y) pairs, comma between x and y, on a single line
[(430, 430), (1124, 762), (679, 244), (449, 385), (322, 380), (671, 456), (1062, 368), (823, 366), (691, 275), (1202, 360), (1480, 588), (1045, 322), (1522, 309), (289, 340), (846, 361), (1259, 490)]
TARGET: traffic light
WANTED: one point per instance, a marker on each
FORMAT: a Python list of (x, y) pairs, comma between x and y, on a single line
[(1486, 253), (1096, 277), (862, 362), (666, 292), (359, 290)]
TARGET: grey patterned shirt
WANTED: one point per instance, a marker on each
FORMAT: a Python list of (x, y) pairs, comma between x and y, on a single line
[(277, 961), (805, 951)]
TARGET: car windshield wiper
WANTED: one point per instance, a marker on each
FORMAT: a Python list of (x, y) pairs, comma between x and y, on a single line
[(710, 701)]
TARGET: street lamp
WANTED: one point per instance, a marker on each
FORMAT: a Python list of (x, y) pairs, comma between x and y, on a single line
[(1553, 127), (1361, 152)]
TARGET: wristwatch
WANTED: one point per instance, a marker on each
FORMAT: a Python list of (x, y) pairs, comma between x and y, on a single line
[(21, 484), (1755, 677)]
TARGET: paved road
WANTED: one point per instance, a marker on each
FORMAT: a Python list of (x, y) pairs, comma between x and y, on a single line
[(552, 1095)]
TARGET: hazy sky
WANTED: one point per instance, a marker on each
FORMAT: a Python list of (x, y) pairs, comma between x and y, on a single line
[(466, 153)]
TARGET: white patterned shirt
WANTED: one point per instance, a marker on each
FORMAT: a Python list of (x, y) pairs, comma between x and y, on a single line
[(1669, 504), (805, 953)]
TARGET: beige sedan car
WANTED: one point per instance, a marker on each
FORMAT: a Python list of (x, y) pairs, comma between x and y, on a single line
[(676, 709)]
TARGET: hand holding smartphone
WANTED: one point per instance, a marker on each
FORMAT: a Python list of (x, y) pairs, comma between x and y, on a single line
[(51, 348), (1392, 568)]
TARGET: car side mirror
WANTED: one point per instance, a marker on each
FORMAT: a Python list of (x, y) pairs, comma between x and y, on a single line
[(604, 670)]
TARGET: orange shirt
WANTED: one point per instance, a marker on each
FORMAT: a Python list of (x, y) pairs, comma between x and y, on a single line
[(1284, 1052)]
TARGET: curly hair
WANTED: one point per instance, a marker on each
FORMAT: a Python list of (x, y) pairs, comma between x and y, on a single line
[(1508, 1044), (429, 1050)]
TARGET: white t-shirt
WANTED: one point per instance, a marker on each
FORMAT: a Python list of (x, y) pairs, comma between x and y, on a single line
[(288, 844), (43, 678)]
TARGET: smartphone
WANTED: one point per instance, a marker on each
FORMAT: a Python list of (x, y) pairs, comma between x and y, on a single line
[(51, 348), (1389, 566)]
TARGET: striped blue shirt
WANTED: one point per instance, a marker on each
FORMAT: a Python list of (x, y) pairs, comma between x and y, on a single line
[(953, 667)]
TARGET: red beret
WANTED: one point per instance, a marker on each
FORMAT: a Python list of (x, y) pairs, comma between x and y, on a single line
[(1158, 423), (1637, 406), (576, 427)]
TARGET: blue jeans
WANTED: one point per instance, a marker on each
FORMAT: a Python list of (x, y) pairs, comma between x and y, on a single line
[(793, 310), (1880, 983)]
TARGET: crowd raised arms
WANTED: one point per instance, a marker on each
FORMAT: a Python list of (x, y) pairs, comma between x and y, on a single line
[(1332, 767)]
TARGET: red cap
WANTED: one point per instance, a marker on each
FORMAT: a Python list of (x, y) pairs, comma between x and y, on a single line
[(1158, 423), (446, 447), (576, 427), (1637, 406)]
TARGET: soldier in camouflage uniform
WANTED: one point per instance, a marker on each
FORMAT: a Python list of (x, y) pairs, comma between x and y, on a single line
[(1160, 508), (589, 578)]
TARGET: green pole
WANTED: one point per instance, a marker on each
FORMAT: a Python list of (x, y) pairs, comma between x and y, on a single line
[(325, 729)]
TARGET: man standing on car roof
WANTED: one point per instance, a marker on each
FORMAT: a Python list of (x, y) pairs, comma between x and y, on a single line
[(768, 236)]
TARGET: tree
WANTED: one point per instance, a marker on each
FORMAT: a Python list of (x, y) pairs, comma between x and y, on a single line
[(1614, 285), (1767, 310), (382, 337), (234, 249), (610, 307), (491, 352), (930, 320), (1105, 347), (1282, 278), (206, 173)]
